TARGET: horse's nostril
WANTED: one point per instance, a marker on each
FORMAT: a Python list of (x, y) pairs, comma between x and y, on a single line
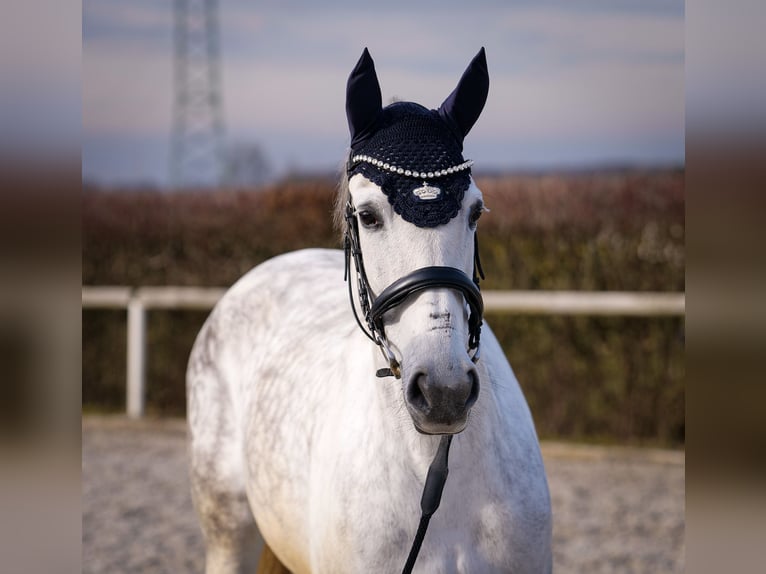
[(442, 400), (415, 395), (473, 396)]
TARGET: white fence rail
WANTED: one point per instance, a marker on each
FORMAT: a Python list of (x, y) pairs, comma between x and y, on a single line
[(138, 301)]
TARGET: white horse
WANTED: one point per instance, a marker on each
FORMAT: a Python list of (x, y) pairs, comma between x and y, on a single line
[(291, 430)]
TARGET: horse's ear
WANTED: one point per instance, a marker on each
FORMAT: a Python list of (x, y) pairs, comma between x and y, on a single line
[(363, 99), (463, 106)]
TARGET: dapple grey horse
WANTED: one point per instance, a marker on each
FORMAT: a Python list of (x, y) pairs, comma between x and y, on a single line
[(302, 429)]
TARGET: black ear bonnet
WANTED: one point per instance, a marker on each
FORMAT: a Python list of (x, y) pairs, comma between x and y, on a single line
[(415, 155)]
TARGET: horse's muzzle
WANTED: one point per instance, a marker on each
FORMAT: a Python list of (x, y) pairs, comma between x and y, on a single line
[(439, 400)]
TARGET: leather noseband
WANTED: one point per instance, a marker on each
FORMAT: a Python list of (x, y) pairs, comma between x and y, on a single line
[(432, 278)]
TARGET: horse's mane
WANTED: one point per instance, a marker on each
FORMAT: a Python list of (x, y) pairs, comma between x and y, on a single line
[(341, 198)]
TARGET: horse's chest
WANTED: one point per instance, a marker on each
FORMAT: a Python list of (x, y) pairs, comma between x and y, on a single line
[(371, 520), (379, 539)]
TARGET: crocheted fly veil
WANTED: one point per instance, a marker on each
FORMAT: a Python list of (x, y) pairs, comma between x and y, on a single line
[(415, 155)]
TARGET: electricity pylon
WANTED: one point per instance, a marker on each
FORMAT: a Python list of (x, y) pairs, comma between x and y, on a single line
[(196, 148)]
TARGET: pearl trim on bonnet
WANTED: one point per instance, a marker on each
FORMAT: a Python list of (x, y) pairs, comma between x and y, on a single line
[(401, 171)]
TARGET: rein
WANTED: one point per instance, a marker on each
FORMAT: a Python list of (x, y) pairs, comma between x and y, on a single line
[(374, 308)]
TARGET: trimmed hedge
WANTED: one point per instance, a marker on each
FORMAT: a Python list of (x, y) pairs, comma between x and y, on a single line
[(611, 379)]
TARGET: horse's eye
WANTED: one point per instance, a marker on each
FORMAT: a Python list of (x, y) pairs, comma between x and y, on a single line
[(369, 219), (475, 214)]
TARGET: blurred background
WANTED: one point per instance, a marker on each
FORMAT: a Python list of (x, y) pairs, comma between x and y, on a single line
[(586, 84)]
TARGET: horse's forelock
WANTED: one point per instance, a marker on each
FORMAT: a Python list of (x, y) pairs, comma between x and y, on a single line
[(341, 199)]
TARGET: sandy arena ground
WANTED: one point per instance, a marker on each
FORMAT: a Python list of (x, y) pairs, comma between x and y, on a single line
[(615, 509)]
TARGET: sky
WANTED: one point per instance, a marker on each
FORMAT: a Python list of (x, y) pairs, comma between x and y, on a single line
[(572, 84)]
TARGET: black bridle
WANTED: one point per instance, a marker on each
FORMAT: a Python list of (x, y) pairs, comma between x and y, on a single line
[(374, 308), (423, 279)]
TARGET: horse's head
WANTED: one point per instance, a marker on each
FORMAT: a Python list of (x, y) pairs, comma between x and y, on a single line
[(411, 213)]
